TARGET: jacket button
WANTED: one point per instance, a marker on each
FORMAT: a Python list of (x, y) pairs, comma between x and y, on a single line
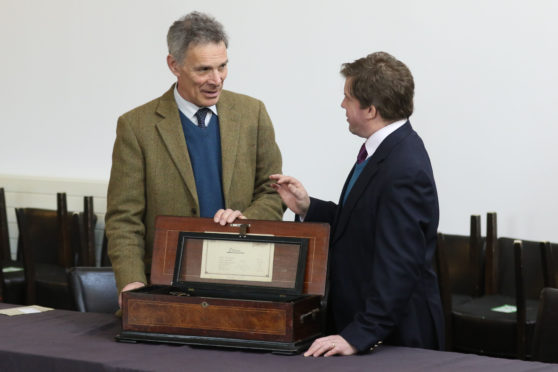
[(194, 211)]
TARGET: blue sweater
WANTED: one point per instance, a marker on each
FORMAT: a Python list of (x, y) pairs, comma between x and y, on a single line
[(204, 148)]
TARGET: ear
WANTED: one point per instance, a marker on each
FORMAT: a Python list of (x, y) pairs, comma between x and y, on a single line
[(372, 112), (173, 65)]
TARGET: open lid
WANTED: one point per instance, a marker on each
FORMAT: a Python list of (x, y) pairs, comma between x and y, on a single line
[(284, 245), (240, 265)]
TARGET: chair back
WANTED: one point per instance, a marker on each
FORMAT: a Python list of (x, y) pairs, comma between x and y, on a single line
[(12, 277), (40, 236), (51, 244), (459, 269), (456, 248), (94, 289), (531, 268), (58, 237), (549, 253), (463, 257), (5, 253), (84, 235), (45, 244), (545, 339)]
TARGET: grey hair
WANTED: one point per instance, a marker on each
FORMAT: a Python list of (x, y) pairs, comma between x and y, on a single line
[(194, 28)]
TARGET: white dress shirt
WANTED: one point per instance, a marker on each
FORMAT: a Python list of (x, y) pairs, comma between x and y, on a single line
[(189, 109), (374, 141)]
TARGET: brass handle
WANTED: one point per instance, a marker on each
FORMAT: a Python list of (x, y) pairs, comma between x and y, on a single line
[(312, 313), (243, 228)]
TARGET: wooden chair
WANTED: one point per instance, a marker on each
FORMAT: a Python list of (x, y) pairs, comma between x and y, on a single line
[(12, 279), (94, 289), (545, 339), (51, 245), (459, 269), (501, 322), (45, 242)]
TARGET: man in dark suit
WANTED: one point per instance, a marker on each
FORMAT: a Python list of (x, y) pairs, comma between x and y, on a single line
[(382, 286)]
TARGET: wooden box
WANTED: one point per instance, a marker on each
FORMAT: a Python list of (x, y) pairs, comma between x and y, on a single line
[(254, 284)]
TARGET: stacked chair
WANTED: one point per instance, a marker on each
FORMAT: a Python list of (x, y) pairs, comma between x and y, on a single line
[(498, 320), (58, 262), (459, 268), (53, 241)]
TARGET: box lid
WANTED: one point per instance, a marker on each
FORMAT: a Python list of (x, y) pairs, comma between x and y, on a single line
[(172, 230)]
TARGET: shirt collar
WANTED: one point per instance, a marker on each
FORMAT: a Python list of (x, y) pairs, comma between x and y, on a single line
[(374, 141), (188, 108)]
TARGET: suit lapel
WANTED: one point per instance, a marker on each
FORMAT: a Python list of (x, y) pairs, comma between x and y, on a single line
[(170, 129), (344, 213), (229, 129), (367, 175)]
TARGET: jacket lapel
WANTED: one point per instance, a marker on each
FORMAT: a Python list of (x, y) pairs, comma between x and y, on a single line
[(229, 129), (367, 175), (170, 129)]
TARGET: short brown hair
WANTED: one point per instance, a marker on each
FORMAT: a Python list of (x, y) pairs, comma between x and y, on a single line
[(381, 80)]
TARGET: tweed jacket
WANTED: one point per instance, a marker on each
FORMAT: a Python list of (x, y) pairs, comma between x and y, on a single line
[(152, 174)]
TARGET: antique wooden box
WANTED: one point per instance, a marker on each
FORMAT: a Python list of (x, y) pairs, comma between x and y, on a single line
[(254, 284)]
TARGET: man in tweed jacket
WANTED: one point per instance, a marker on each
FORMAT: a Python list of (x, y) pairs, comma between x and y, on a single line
[(156, 166)]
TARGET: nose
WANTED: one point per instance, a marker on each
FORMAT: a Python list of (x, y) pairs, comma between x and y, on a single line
[(215, 77)]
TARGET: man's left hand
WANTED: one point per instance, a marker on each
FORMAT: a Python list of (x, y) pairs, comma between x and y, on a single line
[(224, 216), (330, 345)]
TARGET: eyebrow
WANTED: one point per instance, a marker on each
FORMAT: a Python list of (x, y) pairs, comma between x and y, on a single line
[(205, 67)]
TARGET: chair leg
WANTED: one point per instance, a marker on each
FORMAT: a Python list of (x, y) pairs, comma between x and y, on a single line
[(89, 232), (491, 256), (445, 294), (521, 315), (29, 264), (475, 256), (65, 256)]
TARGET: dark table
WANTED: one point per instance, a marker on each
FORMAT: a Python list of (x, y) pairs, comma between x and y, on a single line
[(61, 340)]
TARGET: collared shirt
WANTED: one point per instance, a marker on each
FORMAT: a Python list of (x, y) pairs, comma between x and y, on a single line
[(374, 141), (189, 109)]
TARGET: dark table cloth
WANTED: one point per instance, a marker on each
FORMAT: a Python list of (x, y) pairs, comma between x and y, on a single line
[(61, 340)]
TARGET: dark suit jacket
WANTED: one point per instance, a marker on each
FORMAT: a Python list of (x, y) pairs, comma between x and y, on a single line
[(152, 174), (382, 286)]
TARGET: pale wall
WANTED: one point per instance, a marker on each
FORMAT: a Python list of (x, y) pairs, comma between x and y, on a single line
[(485, 89)]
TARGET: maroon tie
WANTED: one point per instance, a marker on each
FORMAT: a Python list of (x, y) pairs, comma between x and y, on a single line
[(362, 154)]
